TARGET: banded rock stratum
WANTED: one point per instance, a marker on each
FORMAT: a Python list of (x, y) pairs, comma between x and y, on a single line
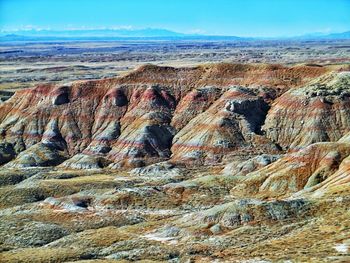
[(160, 113)]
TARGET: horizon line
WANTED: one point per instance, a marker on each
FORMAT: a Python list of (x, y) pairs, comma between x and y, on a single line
[(132, 28)]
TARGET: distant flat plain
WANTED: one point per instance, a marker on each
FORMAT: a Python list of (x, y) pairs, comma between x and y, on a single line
[(25, 64)]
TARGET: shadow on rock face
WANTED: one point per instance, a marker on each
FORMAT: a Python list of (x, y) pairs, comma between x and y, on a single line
[(7, 152), (61, 95)]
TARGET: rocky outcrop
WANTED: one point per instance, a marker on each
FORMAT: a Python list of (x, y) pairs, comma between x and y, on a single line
[(38, 155), (232, 123), (235, 214), (241, 168), (151, 115), (194, 103), (162, 169), (146, 131), (296, 171), (85, 161), (317, 112)]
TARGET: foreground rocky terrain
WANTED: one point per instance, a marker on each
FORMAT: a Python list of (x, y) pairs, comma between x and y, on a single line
[(213, 163)]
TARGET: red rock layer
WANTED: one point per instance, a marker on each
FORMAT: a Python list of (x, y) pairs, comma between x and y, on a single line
[(232, 123), (319, 162), (315, 113), (132, 120)]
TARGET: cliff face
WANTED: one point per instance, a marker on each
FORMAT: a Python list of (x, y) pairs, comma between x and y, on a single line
[(187, 115)]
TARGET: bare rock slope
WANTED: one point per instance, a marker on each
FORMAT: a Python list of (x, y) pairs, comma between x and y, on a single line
[(158, 113)]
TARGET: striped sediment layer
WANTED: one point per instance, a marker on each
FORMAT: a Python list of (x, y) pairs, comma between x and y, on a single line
[(188, 115)]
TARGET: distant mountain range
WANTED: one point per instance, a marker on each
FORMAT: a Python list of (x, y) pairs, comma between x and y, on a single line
[(343, 35), (147, 33)]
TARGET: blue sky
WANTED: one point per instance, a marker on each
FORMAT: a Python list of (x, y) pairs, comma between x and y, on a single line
[(214, 17)]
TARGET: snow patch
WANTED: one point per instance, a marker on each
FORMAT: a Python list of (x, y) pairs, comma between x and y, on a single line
[(342, 248)]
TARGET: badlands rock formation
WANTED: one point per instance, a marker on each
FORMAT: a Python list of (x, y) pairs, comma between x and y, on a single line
[(215, 163), (156, 114), (315, 113)]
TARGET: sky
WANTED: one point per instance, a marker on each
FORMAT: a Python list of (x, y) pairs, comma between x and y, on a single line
[(263, 18)]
